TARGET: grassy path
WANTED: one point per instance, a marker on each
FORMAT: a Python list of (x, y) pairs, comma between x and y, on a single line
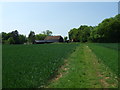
[(83, 70)]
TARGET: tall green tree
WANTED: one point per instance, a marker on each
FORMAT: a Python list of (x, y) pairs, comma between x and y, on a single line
[(47, 32), (65, 38), (22, 39), (11, 40), (84, 32), (81, 34), (107, 31), (31, 37), (15, 36), (73, 35), (0, 38), (40, 36)]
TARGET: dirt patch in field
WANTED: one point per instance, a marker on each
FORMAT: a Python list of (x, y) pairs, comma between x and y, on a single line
[(103, 80), (61, 71)]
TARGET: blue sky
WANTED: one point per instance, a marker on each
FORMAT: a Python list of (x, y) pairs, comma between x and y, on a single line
[(59, 17)]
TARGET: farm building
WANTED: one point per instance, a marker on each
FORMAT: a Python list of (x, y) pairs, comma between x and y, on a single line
[(50, 39), (54, 38)]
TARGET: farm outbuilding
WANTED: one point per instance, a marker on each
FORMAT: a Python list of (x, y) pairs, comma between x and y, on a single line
[(50, 39), (54, 38)]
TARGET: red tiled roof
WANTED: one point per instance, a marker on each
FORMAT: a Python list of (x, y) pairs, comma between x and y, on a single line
[(52, 37)]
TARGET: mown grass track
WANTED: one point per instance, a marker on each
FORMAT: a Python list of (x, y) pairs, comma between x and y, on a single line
[(84, 70)]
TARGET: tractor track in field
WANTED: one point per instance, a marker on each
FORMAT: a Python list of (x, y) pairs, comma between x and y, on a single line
[(95, 67), (99, 73), (95, 72)]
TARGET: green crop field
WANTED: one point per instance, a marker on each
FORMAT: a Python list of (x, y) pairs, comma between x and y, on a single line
[(89, 65), (107, 53), (30, 66)]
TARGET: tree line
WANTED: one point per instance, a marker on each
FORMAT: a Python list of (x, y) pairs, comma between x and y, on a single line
[(15, 38), (106, 31)]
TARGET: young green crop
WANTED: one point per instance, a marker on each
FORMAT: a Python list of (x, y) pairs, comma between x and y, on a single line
[(30, 66), (109, 45), (107, 53)]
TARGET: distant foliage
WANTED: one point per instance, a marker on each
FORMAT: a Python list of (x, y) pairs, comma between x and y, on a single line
[(13, 38), (40, 36), (107, 31), (65, 38), (0, 38), (81, 34), (31, 37), (47, 32)]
